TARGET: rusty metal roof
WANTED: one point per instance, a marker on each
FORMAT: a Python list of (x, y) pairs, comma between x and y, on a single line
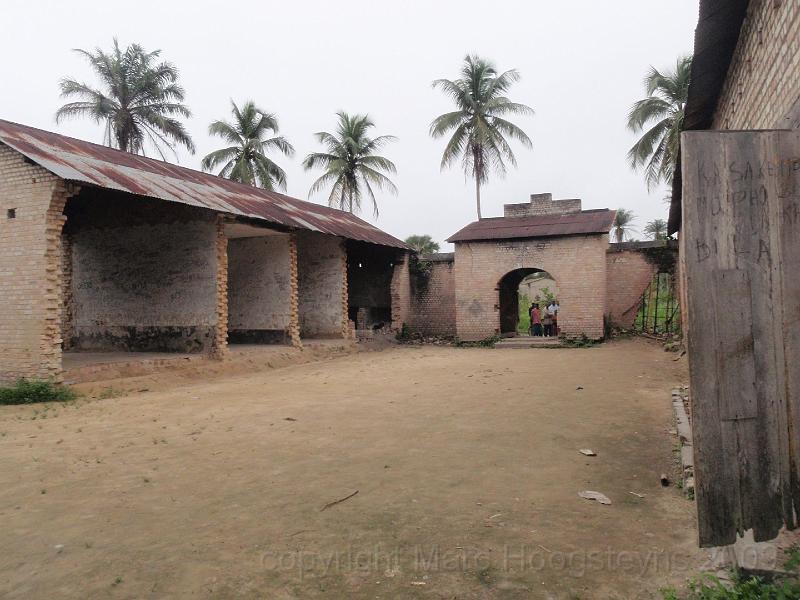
[(92, 164), (587, 222)]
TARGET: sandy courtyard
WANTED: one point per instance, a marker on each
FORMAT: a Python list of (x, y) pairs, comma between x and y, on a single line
[(465, 461)]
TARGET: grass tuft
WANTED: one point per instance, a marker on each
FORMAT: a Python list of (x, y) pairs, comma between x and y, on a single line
[(29, 392)]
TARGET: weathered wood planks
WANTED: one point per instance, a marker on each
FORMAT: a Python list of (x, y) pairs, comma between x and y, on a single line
[(741, 268)]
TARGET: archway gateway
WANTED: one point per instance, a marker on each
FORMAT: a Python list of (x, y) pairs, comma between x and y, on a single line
[(509, 295)]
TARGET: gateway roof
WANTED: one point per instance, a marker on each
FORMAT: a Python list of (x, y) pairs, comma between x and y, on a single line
[(587, 222)]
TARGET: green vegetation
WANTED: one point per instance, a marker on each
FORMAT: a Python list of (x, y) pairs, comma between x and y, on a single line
[(524, 319), (350, 163), (659, 312), (623, 225), (478, 125), (422, 244), (656, 229), (140, 100), (743, 587), (659, 117), (245, 159), (29, 392)]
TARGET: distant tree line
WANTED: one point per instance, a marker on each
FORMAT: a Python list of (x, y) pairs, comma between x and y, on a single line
[(139, 101)]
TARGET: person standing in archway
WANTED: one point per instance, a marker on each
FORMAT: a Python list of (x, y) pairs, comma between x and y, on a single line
[(536, 320), (547, 322), (553, 311)]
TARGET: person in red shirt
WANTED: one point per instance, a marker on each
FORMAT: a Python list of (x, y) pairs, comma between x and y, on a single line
[(536, 320)]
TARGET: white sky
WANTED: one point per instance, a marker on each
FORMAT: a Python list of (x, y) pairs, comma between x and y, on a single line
[(582, 63)]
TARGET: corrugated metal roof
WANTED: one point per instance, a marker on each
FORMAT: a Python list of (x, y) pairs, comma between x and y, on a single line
[(93, 164), (586, 222)]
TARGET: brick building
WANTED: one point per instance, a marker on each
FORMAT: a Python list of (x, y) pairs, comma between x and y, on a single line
[(472, 293), (736, 206), (101, 250), (492, 257)]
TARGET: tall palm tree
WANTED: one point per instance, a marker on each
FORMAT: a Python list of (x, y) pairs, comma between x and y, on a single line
[(656, 229), (623, 224), (422, 244), (480, 131), (660, 117), (139, 100), (350, 163), (245, 160)]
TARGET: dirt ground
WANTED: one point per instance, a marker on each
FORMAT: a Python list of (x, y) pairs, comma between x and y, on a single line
[(465, 461)]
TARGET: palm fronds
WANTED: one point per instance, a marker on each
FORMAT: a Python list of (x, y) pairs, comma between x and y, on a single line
[(659, 118), (478, 130), (245, 160), (139, 100), (352, 170)]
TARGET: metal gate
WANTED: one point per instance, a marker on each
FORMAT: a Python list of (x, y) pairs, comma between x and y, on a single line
[(659, 312)]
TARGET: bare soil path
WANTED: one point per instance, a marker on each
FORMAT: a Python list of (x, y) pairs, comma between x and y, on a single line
[(465, 461)]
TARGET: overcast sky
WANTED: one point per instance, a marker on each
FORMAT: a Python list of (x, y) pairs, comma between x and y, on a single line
[(582, 63)]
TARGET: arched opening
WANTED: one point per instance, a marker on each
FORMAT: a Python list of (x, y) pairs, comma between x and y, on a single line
[(518, 289)]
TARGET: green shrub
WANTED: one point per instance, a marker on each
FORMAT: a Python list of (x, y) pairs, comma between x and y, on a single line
[(709, 587), (28, 392)]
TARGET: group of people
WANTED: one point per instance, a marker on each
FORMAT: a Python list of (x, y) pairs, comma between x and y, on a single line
[(544, 322)]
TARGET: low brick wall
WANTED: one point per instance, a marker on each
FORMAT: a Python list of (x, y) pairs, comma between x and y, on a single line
[(629, 274), (146, 275), (259, 289), (631, 268), (433, 297), (322, 285)]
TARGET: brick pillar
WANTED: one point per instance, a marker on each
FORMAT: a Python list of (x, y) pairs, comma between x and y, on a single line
[(347, 332), (294, 296), (219, 348), (53, 285), (68, 309)]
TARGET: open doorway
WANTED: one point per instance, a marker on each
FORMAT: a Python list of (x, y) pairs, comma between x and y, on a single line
[(518, 289)]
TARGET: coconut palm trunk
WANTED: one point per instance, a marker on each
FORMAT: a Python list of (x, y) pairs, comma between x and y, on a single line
[(478, 129)]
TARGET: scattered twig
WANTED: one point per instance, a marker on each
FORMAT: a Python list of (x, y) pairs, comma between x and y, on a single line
[(545, 549), (339, 501), (637, 495)]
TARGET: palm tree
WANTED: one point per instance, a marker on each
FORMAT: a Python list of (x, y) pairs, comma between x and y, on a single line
[(479, 129), (245, 160), (350, 163), (656, 229), (623, 224), (422, 244), (661, 114), (139, 100)]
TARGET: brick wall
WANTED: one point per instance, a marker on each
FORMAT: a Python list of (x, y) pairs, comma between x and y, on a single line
[(629, 274), (433, 299), (259, 289), (147, 275), (322, 285), (577, 263), (542, 204), (31, 220), (763, 84)]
